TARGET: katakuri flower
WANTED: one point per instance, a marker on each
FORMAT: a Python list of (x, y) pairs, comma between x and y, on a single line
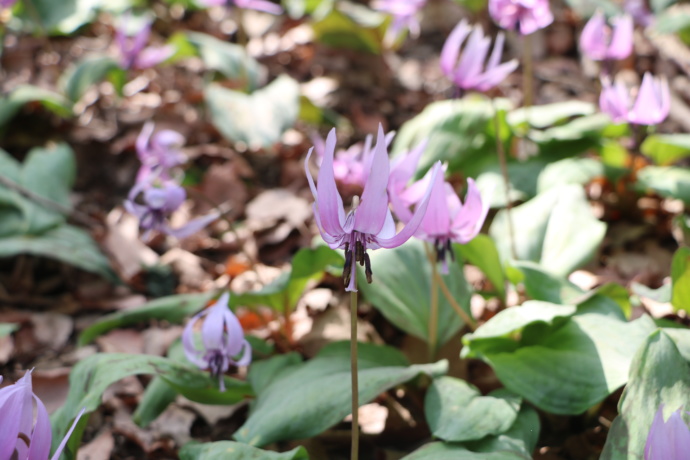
[(639, 11), (370, 224), (600, 42), (133, 51), (470, 72), (651, 106), (222, 340), (404, 14), (525, 16), (258, 5), (25, 432), (667, 440), (7, 3), (159, 152), (153, 201)]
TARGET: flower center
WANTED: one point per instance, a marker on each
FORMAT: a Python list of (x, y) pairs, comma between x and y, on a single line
[(443, 247), (356, 252)]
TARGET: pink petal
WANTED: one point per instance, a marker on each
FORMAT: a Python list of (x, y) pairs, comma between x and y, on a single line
[(436, 220), (451, 48), (622, 41), (593, 37), (329, 202), (371, 213), (651, 106), (42, 435), (58, 451)]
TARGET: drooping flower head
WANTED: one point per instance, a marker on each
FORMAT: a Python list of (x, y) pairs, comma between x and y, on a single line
[(600, 42), (370, 224), (470, 72), (258, 5), (222, 340), (133, 51), (525, 16), (667, 440), (651, 106), (404, 14), (159, 152), (25, 432)]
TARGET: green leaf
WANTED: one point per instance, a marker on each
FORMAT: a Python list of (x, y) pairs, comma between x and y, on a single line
[(173, 309), (665, 149), (61, 18), (284, 292), (87, 72), (667, 181), (543, 116), (311, 397), (65, 243), (457, 411), (401, 291), (564, 367), (156, 398), (227, 58), (236, 451), (541, 285), (482, 253), (354, 27), (658, 375), (7, 328), (522, 178), (90, 378), (263, 373), (578, 171), (556, 229), (23, 94), (258, 119), (680, 276)]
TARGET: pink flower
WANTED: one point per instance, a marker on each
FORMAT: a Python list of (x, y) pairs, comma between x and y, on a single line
[(159, 152), (651, 106), (404, 14), (370, 224), (667, 440), (526, 16), (602, 42), (470, 72), (133, 53)]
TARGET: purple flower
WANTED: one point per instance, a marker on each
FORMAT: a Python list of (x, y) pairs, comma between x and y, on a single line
[(370, 224), (222, 340), (639, 11), (7, 3), (526, 16), (667, 440), (404, 14), (470, 72), (600, 41), (651, 106), (159, 152), (133, 54), (258, 5), (25, 432), (158, 201)]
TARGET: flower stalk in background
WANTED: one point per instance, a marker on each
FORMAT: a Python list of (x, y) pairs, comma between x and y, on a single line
[(25, 432), (222, 340), (132, 47), (651, 106), (667, 440), (524, 16), (602, 42), (470, 72), (404, 13)]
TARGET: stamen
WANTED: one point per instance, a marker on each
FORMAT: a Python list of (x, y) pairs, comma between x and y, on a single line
[(359, 252), (367, 268), (347, 269)]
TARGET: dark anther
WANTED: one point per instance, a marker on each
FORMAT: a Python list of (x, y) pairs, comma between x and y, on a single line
[(359, 252), (347, 269), (449, 247), (367, 268)]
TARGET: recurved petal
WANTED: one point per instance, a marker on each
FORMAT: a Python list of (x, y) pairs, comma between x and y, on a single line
[(614, 100), (192, 353), (213, 329), (436, 220), (143, 139), (329, 202), (451, 48), (468, 222), (669, 440), (192, 226), (469, 69), (651, 106), (404, 166), (496, 75), (371, 213), (246, 357), (42, 436), (593, 37), (58, 451), (622, 41)]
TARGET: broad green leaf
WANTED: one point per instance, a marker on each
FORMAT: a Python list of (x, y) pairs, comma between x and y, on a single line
[(90, 378), (65, 243), (578, 171), (666, 149), (456, 411), (23, 94), (173, 309), (87, 72), (556, 229), (58, 18), (460, 132), (586, 8), (156, 398), (658, 375), (401, 291), (236, 451), (565, 367), (227, 58), (543, 116), (662, 294), (680, 276), (447, 451), (258, 119), (522, 177), (482, 253), (667, 181), (263, 373), (541, 285), (283, 293), (313, 396), (7, 328), (353, 27)]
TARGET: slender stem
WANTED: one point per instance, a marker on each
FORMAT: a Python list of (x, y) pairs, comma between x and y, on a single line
[(527, 70), (506, 179), (453, 303), (353, 371), (433, 304)]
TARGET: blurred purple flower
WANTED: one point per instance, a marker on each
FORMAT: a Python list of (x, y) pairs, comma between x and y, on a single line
[(159, 199), (651, 106), (258, 5), (159, 152), (525, 16), (599, 41), (639, 11), (25, 432), (133, 54), (404, 14), (370, 224), (667, 440), (7, 3), (470, 72), (222, 340)]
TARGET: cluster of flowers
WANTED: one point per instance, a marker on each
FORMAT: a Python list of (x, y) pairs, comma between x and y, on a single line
[(157, 192), (26, 434)]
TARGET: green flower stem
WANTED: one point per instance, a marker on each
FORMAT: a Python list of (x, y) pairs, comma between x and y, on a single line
[(433, 304), (353, 371), (506, 179), (453, 303)]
